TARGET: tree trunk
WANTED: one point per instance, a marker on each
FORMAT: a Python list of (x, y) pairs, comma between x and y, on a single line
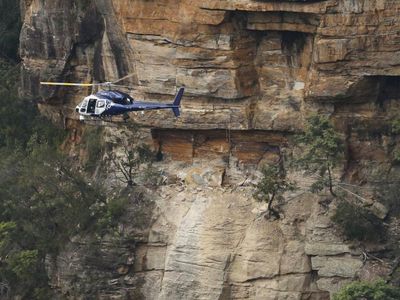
[(330, 182), (272, 211)]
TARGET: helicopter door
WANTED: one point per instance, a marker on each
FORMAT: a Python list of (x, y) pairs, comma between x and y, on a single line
[(91, 106), (100, 106)]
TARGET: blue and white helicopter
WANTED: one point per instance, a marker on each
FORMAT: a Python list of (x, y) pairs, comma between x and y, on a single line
[(107, 103)]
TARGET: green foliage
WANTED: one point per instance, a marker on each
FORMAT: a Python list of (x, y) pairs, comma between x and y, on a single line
[(378, 290), (43, 201), (396, 157), (113, 211), (83, 4), (92, 142), (19, 118), (395, 126), (53, 203), (272, 186), (395, 130), (47, 203), (388, 191), (321, 151), (116, 207), (135, 164), (15, 115), (6, 231), (23, 263), (10, 25), (357, 223)]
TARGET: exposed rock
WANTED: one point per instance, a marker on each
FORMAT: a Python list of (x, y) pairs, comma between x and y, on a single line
[(374, 270), (150, 257), (379, 210), (346, 266), (253, 70), (294, 259), (332, 284), (206, 176), (326, 248)]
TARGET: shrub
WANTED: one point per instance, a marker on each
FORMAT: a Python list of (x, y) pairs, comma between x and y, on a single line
[(378, 290), (10, 25), (23, 263), (388, 191), (395, 126), (357, 223)]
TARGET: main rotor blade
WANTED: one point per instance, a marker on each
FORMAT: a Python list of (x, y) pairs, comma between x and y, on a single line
[(69, 84), (125, 77)]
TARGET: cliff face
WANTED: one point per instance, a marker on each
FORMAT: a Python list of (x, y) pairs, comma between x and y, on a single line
[(253, 70)]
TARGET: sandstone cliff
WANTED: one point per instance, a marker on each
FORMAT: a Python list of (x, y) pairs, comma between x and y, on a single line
[(253, 70)]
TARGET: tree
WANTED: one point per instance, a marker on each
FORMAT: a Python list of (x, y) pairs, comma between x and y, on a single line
[(378, 290), (44, 203), (93, 145), (129, 163), (321, 151), (10, 25), (272, 186), (358, 223)]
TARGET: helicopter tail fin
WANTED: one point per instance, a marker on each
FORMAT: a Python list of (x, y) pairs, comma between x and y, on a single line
[(178, 97), (177, 102), (176, 111)]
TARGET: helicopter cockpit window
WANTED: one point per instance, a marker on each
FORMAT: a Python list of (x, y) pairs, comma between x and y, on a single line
[(83, 106), (100, 104)]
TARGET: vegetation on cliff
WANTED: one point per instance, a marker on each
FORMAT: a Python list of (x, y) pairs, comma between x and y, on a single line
[(357, 223), (378, 290), (272, 185), (10, 24), (285, 71), (129, 165), (321, 152), (43, 201)]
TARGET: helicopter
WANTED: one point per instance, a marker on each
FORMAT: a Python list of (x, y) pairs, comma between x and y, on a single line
[(112, 102)]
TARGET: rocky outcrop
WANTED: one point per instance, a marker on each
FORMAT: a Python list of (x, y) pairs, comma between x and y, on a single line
[(253, 70), (234, 62), (204, 244)]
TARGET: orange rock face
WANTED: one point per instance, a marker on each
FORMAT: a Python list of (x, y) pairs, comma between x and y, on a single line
[(260, 62), (253, 71)]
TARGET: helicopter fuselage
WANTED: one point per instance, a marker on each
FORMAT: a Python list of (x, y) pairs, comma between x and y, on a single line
[(112, 103)]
